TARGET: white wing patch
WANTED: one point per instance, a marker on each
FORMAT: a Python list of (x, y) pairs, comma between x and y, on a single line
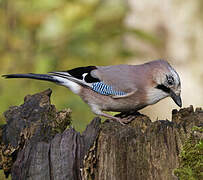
[(85, 74)]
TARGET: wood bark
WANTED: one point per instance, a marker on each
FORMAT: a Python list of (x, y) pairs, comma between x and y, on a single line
[(36, 144)]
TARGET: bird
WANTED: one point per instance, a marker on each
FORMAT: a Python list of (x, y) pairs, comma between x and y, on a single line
[(118, 88)]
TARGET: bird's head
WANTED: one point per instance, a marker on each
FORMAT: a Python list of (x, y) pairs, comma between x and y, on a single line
[(166, 82)]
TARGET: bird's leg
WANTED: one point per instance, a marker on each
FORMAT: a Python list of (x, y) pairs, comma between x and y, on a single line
[(122, 121), (112, 117)]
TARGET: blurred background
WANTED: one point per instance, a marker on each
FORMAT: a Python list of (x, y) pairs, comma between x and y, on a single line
[(50, 35)]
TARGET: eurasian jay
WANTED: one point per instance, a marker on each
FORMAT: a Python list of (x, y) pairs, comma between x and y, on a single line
[(118, 88)]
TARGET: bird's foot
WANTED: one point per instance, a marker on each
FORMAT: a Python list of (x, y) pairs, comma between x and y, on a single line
[(127, 119), (123, 121), (127, 114)]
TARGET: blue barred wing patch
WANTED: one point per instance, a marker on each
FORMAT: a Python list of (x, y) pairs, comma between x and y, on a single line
[(105, 89)]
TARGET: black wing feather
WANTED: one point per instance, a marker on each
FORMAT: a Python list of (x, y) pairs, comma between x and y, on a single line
[(78, 73)]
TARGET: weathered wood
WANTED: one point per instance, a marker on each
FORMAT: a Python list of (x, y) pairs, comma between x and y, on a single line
[(142, 150), (35, 144), (32, 146)]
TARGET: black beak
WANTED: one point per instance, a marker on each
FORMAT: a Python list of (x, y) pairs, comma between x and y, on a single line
[(176, 98)]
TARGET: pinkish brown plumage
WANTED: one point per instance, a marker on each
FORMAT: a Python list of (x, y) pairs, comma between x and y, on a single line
[(119, 88)]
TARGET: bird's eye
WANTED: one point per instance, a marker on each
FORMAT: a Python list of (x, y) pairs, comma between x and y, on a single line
[(170, 80)]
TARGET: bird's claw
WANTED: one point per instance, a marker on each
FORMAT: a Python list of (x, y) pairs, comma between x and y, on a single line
[(125, 120), (128, 119)]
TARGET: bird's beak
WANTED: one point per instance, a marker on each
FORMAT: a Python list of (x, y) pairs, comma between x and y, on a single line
[(176, 98)]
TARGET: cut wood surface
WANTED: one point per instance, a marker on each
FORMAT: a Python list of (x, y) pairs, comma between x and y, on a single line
[(37, 144)]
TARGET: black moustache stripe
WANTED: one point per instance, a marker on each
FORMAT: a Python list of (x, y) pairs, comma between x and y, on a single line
[(163, 88)]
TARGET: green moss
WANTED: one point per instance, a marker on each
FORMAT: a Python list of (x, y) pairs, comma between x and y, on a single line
[(191, 158), (196, 128)]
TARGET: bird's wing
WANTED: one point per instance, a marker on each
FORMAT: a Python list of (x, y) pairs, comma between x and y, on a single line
[(112, 81), (119, 77)]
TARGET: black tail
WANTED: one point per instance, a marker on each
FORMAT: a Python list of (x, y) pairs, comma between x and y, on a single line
[(44, 77)]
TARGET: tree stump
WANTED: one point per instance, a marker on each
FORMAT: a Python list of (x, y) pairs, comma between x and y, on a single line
[(36, 144)]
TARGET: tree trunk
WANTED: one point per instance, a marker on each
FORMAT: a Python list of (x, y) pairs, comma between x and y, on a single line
[(35, 144)]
